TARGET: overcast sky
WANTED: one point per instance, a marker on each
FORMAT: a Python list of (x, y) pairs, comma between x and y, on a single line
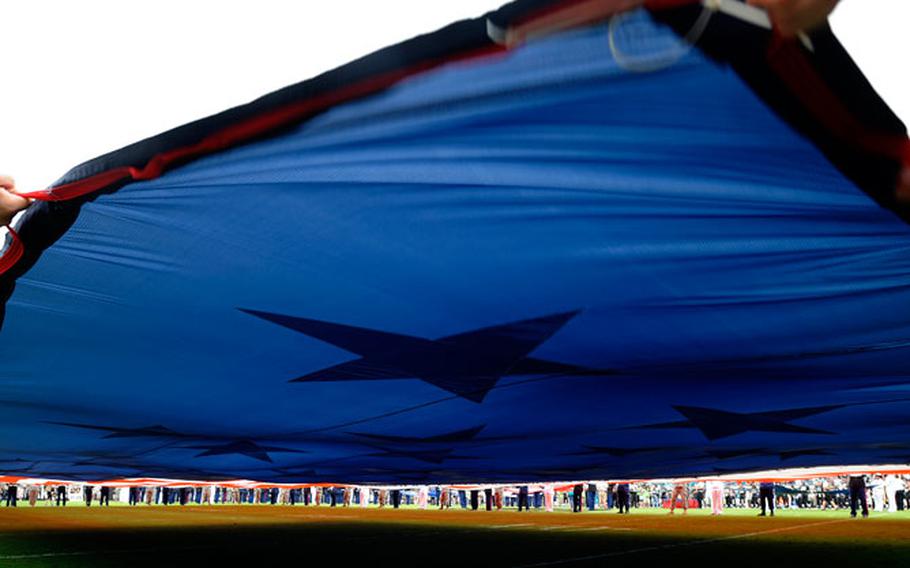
[(81, 78)]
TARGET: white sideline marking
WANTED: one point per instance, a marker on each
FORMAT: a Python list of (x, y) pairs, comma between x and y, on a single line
[(603, 529), (320, 516), (677, 545), (509, 526), (555, 527)]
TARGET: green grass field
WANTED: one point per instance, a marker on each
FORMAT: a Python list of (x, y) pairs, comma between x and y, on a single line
[(78, 537)]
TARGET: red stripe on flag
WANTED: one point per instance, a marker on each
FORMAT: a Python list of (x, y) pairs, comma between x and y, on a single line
[(13, 252), (245, 130)]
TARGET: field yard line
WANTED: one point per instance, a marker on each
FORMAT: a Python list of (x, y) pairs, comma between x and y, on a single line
[(677, 545), (304, 517), (100, 552), (602, 529), (555, 527)]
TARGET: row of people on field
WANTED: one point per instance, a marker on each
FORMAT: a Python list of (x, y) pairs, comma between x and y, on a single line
[(880, 493)]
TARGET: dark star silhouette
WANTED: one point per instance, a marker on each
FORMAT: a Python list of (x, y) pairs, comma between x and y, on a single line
[(565, 472), (30, 468), (615, 452), (889, 446), (467, 364), (436, 456), (716, 424), (144, 468), (156, 431), (19, 461), (296, 472), (99, 468), (730, 454), (726, 471), (111, 463), (790, 454), (551, 472), (411, 474), (244, 448), (783, 454), (465, 435)]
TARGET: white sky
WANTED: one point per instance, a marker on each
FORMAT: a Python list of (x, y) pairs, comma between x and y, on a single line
[(81, 78)]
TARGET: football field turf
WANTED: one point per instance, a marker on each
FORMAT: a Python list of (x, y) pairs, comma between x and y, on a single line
[(261, 536)]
